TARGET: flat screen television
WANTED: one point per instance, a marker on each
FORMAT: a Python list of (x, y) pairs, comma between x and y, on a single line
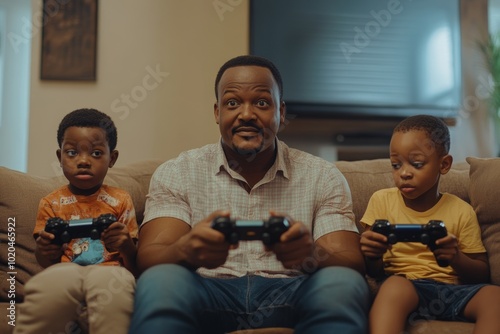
[(361, 58)]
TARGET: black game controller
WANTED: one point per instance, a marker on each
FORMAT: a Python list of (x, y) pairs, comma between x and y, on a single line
[(427, 234), (65, 230), (269, 231)]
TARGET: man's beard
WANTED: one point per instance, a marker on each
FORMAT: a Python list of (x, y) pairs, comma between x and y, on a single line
[(250, 152)]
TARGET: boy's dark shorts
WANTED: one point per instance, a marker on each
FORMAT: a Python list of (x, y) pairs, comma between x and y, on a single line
[(441, 301)]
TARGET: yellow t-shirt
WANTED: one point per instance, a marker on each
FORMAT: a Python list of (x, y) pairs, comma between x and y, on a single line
[(414, 259), (67, 206)]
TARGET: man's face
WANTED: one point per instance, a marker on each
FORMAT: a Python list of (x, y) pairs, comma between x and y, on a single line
[(248, 110)]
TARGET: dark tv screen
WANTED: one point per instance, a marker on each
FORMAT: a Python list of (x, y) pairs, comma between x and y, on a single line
[(348, 58)]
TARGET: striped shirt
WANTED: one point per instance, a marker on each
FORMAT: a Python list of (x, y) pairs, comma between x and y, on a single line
[(200, 181)]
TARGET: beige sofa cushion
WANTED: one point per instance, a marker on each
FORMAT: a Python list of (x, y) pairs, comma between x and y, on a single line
[(19, 201), (20, 195), (484, 191)]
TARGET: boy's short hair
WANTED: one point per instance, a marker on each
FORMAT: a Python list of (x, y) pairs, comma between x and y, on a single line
[(250, 60), (436, 130), (89, 118)]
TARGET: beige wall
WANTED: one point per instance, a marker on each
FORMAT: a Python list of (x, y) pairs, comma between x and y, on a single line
[(187, 39)]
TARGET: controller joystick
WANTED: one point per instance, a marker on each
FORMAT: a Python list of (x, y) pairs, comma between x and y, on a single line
[(268, 231), (427, 234), (66, 230)]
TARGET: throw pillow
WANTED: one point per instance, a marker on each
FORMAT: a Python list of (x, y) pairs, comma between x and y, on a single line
[(484, 192)]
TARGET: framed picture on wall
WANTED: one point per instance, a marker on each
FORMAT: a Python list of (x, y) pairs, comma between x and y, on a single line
[(69, 40)]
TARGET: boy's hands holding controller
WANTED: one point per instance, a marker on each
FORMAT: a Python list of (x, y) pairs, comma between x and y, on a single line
[(117, 238), (47, 252), (374, 245), (447, 249)]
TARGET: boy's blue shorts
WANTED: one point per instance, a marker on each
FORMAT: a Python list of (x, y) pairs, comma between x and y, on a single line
[(442, 301)]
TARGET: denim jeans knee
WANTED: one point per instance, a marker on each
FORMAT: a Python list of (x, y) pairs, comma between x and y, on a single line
[(165, 298), (333, 300)]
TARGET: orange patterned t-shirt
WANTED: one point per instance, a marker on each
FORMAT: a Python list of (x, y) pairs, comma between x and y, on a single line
[(64, 204)]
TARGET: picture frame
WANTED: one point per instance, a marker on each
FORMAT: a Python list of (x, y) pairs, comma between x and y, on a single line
[(69, 40)]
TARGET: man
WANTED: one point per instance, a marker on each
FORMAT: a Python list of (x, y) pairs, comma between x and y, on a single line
[(195, 281)]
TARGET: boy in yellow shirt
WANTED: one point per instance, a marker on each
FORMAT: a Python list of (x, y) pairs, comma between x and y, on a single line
[(416, 286)]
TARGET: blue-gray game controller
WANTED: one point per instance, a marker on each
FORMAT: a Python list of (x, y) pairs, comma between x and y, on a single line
[(66, 230), (427, 234), (269, 231)]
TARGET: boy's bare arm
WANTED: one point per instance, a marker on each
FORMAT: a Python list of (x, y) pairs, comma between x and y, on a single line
[(470, 268), (117, 238), (373, 247), (473, 268), (128, 254)]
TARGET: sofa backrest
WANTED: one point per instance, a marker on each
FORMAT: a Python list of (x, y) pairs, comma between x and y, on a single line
[(484, 192), (20, 194)]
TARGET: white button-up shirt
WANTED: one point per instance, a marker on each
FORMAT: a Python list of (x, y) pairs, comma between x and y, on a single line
[(200, 181)]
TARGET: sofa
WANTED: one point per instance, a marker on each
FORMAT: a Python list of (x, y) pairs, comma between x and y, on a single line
[(476, 181)]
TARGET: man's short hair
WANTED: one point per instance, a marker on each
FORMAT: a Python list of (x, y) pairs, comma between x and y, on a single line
[(250, 60)]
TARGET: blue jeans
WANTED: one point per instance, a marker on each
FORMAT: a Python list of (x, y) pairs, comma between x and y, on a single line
[(172, 299)]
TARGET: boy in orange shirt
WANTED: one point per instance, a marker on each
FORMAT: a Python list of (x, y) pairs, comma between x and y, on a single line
[(87, 283)]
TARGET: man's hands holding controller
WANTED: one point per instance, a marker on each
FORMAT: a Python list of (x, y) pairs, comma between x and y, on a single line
[(206, 247)]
